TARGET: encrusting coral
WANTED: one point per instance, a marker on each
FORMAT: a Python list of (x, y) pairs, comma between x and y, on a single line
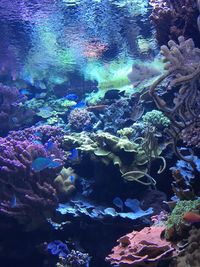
[(143, 248), (65, 183)]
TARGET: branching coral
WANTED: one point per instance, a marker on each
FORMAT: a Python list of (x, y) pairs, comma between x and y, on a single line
[(183, 69), (144, 248), (42, 133), (26, 195)]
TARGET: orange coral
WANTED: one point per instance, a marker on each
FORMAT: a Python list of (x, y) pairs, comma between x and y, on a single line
[(141, 248)]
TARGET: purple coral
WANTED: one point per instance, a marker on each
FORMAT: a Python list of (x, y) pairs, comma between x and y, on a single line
[(34, 194), (12, 112), (79, 119), (50, 136)]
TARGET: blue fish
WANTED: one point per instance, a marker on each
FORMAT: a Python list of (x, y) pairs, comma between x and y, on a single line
[(118, 203), (13, 201), (49, 145), (39, 134), (72, 97), (42, 163), (71, 177), (37, 142), (74, 154), (80, 104), (24, 91)]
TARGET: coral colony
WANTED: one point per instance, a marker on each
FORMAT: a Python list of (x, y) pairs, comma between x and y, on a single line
[(100, 133)]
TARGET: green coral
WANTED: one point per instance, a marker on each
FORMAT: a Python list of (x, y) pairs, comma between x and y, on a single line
[(104, 147), (175, 220), (126, 132), (156, 118)]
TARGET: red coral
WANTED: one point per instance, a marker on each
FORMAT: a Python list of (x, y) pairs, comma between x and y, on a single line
[(141, 248)]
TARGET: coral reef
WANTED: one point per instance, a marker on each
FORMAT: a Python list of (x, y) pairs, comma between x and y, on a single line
[(143, 248)]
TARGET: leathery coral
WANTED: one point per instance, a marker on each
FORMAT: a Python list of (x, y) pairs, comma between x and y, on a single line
[(183, 70), (143, 248)]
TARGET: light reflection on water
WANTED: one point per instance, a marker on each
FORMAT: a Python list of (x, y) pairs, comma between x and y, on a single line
[(48, 39)]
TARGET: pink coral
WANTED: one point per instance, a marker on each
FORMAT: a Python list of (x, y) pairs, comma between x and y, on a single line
[(141, 248)]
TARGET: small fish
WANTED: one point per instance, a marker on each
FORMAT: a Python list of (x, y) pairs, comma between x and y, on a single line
[(97, 108), (13, 201), (42, 163), (40, 95), (113, 94), (72, 97), (80, 104), (39, 134), (72, 178), (118, 203), (191, 217), (74, 154), (24, 91), (29, 78), (49, 145), (37, 142)]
